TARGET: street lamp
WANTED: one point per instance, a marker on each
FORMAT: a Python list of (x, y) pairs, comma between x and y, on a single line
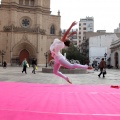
[(46, 56), (105, 56), (2, 53)]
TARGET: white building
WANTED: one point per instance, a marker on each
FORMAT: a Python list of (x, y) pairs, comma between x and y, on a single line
[(117, 30), (99, 45), (85, 25)]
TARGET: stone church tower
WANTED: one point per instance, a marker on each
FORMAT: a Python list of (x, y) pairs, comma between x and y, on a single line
[(27, 30)]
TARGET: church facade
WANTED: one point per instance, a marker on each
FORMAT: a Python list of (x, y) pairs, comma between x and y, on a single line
[(27, 30)]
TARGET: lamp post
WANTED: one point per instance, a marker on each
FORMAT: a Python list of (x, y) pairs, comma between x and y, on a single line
[(105, 56), (2, 53), (46, 56)]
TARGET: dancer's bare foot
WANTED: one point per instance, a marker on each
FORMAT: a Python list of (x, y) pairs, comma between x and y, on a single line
[(69, 81)]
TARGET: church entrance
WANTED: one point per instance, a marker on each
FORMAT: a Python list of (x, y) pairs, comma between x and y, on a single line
[(116, 60), (24, 54)]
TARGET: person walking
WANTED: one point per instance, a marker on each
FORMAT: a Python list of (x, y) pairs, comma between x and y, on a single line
[(102, 67), (34, 64), (4, 64), (24, 64), (60, 60), (96, 68)]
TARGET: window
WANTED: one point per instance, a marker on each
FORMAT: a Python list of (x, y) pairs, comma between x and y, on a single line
[(74, 37), (84, 28), (21, 2), (26, 2), (84, 38), (52, 29), (32, 2), (84, 33), (25, 23), (75, 43), (84, 23)]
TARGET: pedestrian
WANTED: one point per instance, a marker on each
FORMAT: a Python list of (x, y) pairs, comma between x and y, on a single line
[(34, 64), (4, 64), (24, 64), (60, 60), (96, 67), (102, 67)]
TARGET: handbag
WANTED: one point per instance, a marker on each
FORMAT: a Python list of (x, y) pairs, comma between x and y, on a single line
[(36, 68), (104, 71), (27, 65)]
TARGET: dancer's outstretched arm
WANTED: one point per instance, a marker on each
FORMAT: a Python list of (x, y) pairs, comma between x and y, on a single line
[(66, 33), (71, 34)]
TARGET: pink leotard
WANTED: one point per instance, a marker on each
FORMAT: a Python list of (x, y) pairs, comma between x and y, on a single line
[(55, 49)]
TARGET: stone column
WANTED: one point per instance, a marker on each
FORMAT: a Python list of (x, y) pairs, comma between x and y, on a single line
[(11, 44), (29, 2), (23, 2), (38, 49)]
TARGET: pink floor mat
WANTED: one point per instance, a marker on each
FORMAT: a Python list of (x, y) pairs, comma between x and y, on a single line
[(27, 101)]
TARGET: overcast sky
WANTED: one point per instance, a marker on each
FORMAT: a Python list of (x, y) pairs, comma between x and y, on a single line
[(105, 12)]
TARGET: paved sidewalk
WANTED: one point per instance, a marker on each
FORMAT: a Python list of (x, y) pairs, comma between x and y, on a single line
[(14, 74)]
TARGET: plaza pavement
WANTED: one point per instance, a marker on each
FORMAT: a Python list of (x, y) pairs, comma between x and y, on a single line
[(14, 74)]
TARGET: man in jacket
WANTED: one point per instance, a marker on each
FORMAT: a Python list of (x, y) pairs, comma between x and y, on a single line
[(102, 67)]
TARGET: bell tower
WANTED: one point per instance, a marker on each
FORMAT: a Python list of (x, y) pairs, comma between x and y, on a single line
[(43, 3)]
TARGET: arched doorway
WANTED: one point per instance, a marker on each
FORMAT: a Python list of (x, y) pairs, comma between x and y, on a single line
[(24, 54), (116, 60)]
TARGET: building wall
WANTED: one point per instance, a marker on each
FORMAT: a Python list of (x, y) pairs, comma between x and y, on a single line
[(113, 63), (35, 37), (85, 25), (115, 49), (99, 45), (117, 30)]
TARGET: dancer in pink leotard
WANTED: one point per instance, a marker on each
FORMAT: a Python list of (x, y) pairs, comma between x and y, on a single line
[(60, 60)]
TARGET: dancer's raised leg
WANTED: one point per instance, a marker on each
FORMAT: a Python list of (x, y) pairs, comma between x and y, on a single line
[(67, 64), (57, 72)]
